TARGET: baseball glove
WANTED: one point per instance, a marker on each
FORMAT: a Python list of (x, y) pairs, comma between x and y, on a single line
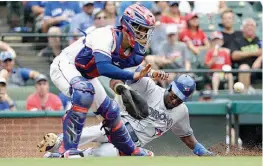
[(135, 104), (49, 141)]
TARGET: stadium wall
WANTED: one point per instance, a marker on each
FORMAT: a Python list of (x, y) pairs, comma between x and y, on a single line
[(19, 136)]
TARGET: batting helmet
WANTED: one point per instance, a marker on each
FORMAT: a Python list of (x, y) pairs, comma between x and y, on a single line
[(183, 86)]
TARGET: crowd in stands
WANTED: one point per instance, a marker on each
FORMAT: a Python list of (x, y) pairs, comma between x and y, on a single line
[(188, 35)]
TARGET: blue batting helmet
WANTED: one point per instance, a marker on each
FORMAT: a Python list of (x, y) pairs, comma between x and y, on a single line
[(183, 86), (138, 23)]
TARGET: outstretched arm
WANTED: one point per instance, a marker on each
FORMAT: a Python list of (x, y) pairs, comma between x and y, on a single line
[(198, 148)]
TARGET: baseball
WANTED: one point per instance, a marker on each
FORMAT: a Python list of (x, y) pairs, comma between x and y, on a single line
[(239, 87)]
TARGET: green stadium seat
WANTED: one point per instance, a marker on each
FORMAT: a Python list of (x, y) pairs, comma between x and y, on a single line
[(237, 27), (20, 105), (244, 11), (204, 19), (237, 4), (257, 6), (208, 27), (20, 93)]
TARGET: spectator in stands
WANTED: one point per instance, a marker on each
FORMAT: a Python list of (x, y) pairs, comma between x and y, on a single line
[(100, 20), (4, 47), (228, 32), (83, 20), (161, 5), (15, 76), (6, 103), (111, 13), (57, 17), (175, 50), (217, 58), (159, 34), (222, 7), (37, 8), (246, 52), (173, 54), (205, 96), (194, 37), (42, 99), (99, 4), (173, 16)]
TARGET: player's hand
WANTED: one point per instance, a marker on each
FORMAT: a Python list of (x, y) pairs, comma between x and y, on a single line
[(142, 73), (200, 150), (159, 74)]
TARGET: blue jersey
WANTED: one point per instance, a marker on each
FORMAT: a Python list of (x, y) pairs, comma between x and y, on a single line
[(54, 9), (100, 53)]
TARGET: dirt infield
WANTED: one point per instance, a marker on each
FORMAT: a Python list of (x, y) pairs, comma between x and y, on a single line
[(222, 150)]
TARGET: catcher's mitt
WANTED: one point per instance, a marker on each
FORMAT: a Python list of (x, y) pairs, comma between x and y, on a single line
[(49, 141), (135, 104)]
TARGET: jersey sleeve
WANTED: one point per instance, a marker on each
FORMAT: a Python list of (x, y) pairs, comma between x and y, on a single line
[(101, 41), (184, 37), (182, 128), (47, 12), (25, 73)]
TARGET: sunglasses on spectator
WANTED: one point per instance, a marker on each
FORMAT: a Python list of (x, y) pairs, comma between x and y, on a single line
[(100, 18)]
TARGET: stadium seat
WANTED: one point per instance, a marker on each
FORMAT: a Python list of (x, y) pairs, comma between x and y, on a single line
[(205, 19), (237, 27), (237, 4), (20, 105), (257, 6), (20, 93)]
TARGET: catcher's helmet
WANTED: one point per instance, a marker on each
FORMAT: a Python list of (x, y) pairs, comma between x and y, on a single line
[(183, 86), (135, 18)]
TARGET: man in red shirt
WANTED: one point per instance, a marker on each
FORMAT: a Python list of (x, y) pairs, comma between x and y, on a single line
[(42, 99), (173, 16), (194, 37), (218, 58)]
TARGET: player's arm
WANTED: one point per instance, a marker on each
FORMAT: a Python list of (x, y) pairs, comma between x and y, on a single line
[(237, 54), (206, 44), (102, 54), (183, 129), (198, 149)]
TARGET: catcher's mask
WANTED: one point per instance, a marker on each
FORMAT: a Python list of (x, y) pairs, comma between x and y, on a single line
[(48, 142)]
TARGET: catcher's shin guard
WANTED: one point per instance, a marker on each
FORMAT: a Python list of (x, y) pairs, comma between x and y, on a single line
[(82, 93), (115, 129)]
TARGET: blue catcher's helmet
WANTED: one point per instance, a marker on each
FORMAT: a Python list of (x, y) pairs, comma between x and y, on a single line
[(138, 23), (183, 86)]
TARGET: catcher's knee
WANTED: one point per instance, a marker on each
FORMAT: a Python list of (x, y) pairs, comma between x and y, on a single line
[(82, 92), (109, 110)]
